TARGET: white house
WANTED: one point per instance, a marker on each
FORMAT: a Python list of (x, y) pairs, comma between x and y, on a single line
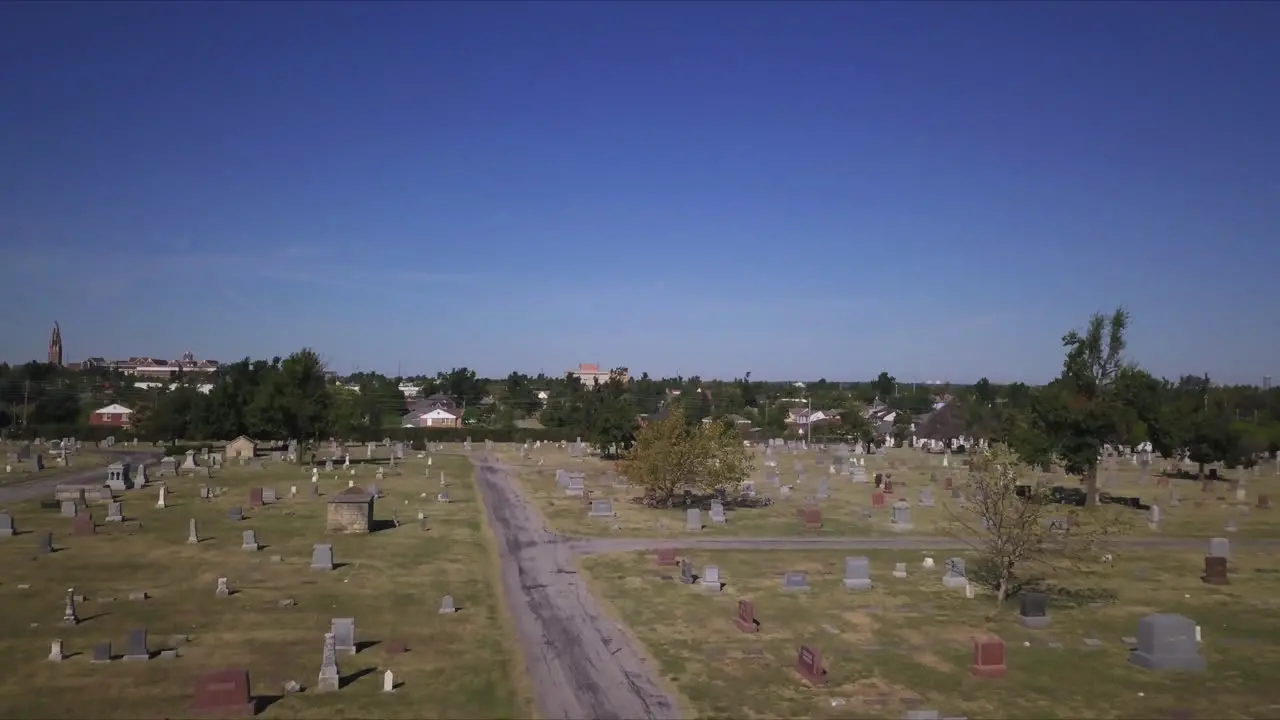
[(435, 417)]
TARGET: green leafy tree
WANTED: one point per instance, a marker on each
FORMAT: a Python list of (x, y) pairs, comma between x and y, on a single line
[(886, 386), (669, 455)]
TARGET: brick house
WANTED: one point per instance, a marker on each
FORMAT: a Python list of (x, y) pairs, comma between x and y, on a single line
[(112, 416)]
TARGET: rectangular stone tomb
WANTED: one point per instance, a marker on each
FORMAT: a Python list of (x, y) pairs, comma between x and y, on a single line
[(711, 578), (1167, 642), (223, 694), (137, 647), (322, 557), (601, 509)]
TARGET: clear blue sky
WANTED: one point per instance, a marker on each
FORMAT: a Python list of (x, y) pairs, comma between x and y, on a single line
[(797, 190)]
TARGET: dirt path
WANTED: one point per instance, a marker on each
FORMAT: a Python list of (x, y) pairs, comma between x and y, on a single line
[(44, 484), (582, 664)]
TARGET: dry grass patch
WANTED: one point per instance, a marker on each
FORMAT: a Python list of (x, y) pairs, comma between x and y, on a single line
[(906, 643), (390, 581)]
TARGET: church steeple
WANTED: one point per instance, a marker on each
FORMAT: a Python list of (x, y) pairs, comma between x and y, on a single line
[(55, 345)]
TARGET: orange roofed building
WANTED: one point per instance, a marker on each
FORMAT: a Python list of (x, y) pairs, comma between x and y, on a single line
[(590, 374)]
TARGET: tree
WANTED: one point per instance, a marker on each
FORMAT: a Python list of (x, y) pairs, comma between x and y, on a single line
[(1010, 531), (669, 455), (1079, 412), (886, 386), (857, 427)]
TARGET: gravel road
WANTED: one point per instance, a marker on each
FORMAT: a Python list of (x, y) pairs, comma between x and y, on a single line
[(582, 664), (44, 485)]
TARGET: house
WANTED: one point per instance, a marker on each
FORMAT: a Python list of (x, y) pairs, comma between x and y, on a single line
[(242, 447), (438, 410), (590, 374), (114, 415), (946, 423), (542, 395)]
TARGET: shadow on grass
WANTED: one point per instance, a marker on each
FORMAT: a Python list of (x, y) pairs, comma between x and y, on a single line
[(363, 645), (347, 680)]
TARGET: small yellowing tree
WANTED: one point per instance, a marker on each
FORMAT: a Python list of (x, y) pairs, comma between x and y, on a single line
[(670, 456)]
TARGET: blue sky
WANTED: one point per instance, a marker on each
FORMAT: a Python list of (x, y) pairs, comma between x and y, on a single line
[(796, 190)]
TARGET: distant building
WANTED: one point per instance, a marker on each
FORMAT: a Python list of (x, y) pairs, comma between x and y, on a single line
[(590, 374), (112, 416), (55, 345), (438, 410)]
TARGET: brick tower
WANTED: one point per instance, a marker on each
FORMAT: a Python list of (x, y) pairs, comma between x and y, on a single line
[(55, 346)]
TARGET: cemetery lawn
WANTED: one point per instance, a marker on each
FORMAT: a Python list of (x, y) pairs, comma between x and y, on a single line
[(905, 643), (842, 511), (86, 458), (463, 665)]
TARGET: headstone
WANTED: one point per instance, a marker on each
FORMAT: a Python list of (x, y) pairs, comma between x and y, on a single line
[(322, 557), (666, 557), (46, 543), (249, 541), (1033, 610), (69, 509), (717, 512), (686, 572), (269, 496), (1220, 547), (812, 518), (746, 619), (988, 657), (601, 508), (900, 570), (1167, 642), (255, 497), (388, 682), (693, 519), (795, 581), (222, 590), (955, 576), (101, 653), (193, 535), (69, 616), (901, 519), (711, 578), (55, 651), (6, 524), (446, 605), (115, 512), (137, 646), (223, 694), (857, 573), (329, 679), (1215, 570), (344, 635), (809, 665), (235, 514), (83, 525)]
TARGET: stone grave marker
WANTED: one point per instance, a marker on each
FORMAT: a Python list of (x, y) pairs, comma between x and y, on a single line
[(344, 635), (746, 619), (900, 570), (69, 509), (926, 497), (1220, 547), (137, 646), (711, 578), (1215, 570), (235, 514), (857, 573), (115, 512), (795, 581), (193, 535), (666, 557), (601, 509), (46, 543), (255, 497), (83, 525), (955, 576), (693, 519), (329, 679), (901, 519), (717, 512), (101, 653), (809, 665), (446, 605), (55, 651), (6, 525), (1167, 642), (988, 657), (249, 541), (322, 557), (1033, 610), (686, 572)]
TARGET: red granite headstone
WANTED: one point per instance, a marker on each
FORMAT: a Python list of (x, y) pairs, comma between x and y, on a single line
[(812, 518), (1215, 570), (877, 499), (988, 657), (395, 646), (667, 557), (255, 497), (83, 525), (947, 482), (223, 694), (746, 620), (809, 665)]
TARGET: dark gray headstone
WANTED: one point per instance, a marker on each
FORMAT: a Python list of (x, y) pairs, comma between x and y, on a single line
[(1167, 642), (137, 647)]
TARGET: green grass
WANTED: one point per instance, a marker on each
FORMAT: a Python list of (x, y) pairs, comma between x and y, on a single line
[(391, 581), (88, 457), (842, 512), (906, 643)]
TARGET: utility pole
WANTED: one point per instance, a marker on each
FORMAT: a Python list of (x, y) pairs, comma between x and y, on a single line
[(26, 392)]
